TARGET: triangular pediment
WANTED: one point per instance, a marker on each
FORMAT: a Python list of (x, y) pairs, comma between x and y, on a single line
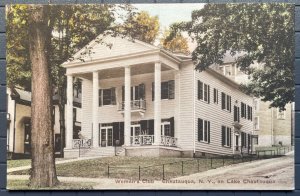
[(110, 47)]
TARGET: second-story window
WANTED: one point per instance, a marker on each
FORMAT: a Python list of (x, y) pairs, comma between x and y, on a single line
[(167, 90), (107, 96), (203, 91), (136, 92), (249, 109), (256, 123), (236, 114), (226, 102), (243, 110)]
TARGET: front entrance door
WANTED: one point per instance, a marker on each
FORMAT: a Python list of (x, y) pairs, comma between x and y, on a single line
[(27, 138), (106, 136), (135, 132), (236, 142)]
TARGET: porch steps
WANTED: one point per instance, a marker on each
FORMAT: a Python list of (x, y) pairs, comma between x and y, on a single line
[(121, 152), (97, 152)]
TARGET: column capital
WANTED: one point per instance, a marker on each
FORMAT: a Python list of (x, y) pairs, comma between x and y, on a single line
[(157, 62), (127, 66)]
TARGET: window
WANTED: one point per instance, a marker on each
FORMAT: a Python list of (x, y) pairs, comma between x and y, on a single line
[(256, 123), (226, 136), (280, 114), (167, 90), (74, 115), (249, 109), (136, 92), (107, 96), (77, 88), (203, 130), (216, 96), (243, 110), (227, 70), (203, 91), (236, 114), (226, 102)]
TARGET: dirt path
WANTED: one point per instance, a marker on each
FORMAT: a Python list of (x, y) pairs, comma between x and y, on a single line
[(269, 174)]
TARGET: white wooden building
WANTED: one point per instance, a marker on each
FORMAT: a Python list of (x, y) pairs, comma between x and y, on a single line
[(150, 102)]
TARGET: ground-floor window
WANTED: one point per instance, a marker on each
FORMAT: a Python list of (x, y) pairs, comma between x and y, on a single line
[(226, 136), (203, 130), (166, 128)]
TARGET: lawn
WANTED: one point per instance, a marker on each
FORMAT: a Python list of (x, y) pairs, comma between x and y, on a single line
[(151, 168), (23, 185), (18, 163)]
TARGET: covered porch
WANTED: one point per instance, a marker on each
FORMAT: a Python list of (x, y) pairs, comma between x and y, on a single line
[(128, 132)]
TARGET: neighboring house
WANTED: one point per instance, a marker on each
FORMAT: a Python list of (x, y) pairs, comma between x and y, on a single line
[(19, 123), (271, 127), (153, 103)]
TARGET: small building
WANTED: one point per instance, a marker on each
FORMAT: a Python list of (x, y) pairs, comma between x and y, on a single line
[(150, 102), (19, 122)]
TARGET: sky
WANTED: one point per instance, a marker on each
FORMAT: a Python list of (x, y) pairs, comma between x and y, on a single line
[(170, 13)]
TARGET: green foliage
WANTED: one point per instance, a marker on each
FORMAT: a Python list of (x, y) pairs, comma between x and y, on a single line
[(178, 43), (143, 27), (253, 33)]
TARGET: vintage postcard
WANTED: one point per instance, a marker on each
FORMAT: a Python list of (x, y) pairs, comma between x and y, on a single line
[(150, 96)]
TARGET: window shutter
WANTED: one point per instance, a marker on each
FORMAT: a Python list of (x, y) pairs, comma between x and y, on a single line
[(199, 90), (131, 93), (100, 97), (235, 118), (215, 95), (251, 113), (223, 135), (208, 132), (242, 109), (223, 101), (205, 131), (116, 132), (208, 92), (238, 114), (248, 107), (230, 103), (230, 137), (123, 93), (142, 91), (200, 129), (113, 96), (151, 127), (172, 126), (171, 89), (152, 91), (136, 93), (121, 133)]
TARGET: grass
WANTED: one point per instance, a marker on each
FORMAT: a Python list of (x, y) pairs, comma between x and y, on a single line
[(23, 162), (151, 168), (18, 163), (23, 185)]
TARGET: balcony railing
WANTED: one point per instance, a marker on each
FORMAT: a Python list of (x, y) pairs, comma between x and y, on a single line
[(82, 143), (141, 140), (135, 105)]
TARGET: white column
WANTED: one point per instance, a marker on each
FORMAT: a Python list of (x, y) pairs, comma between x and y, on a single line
[(69, 118), (95, 109), (127, 108), (157, 103)]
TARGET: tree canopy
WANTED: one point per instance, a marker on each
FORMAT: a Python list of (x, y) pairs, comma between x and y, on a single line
[(143, 27), (253, 33), (178, 43)]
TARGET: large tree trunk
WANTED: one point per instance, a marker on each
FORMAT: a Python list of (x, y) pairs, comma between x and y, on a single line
[(43, 172)]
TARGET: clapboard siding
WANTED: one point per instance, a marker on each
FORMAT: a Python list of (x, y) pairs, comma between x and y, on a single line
[(185, 132), (218, 117)]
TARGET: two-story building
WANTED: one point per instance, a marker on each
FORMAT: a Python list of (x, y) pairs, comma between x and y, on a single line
[(271, 126), (153, 103)]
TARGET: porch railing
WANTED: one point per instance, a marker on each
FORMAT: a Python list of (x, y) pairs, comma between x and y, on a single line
[(168, 141), (135, 105), (81, 143), (142, 140), (149, 140)]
